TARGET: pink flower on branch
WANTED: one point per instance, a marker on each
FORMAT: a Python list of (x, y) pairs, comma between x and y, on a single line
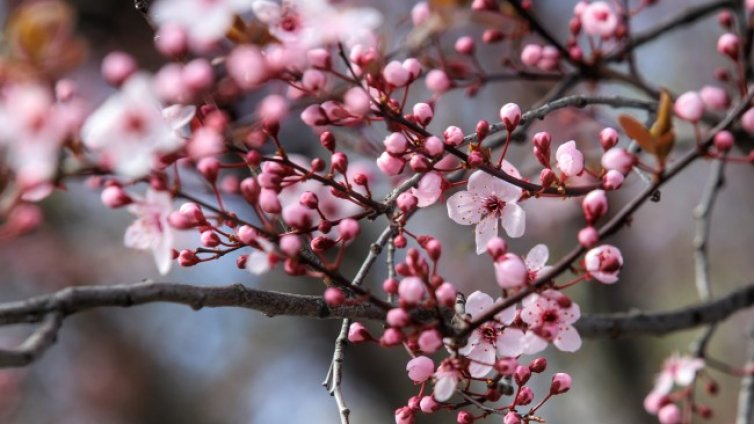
[(151, 230), (487, 200), (550, 316)]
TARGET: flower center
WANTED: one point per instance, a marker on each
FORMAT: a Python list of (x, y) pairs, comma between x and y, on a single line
[(550, 316), (493, 205)]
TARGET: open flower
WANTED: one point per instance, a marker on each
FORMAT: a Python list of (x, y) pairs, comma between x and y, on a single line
[(491, 338), (604, 263), (550, 316), (205, 22), (486, 200), (536, 260), (676, 370), (129, 129), (151, 231), (446, 380)]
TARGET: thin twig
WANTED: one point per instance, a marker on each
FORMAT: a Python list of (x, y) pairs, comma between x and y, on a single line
[(745, 413), (35, 345)]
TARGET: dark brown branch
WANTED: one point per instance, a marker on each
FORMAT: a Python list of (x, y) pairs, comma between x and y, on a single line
[(660, 323), (35, 345)]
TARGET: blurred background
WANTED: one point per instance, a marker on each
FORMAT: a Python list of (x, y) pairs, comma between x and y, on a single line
[(169, 364)]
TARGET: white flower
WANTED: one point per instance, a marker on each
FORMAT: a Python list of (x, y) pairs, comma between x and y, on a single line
[(151, 230), (129, 129), (313, 23), (487, 200), (205, 21), (261, 261)]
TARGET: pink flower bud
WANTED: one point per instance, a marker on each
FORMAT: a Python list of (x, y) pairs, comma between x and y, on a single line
[(604, 263), (475, 159), (171, 40), (406, 202), (561, 383), (339, 162), (314, 116), (428, 405), (348, 229), (570, 159), (525, 396), (608, 138), (187, 258), (198, 75), (747, 121), (114, 197), (397, 317), (420, 13), (313, 80), (465, 45), (395, 143), (357, 101), (24, 217), (497, 247), (334, 296), (510, 114), (521, 375), (319, 58), (434, 249), (411, 290), (321, 243), (670, 414), (423, 113), (209, 239), (594, 205), (246, 234), (395, 74), (453, 136), (598, 19), (612, 180), (550, 59), (209, 168), (290, 244), (413, 66), (390, 286), (723, 141), (689, 106), (434, 146), (273, 108), (391, 337), (531, 54), (430, 341), (117, 67), (419, 163), (250, 190), (357, 333), (193, 211), (205, 141), (547, 177), (405, 415), (512, 418), (464, 417), (714, 98), (247, 66), (538, 365), (618, 159), (437, 81), (268, 201), (390, 165), (728, 45), (588, 237), (510, 271), (506, 366), (446, 294)]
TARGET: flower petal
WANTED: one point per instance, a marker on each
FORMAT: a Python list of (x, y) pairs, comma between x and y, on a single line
[(465, 208), (514, 220), (482, 357), (258, 262), (445, 386), (511, 342), (568, 339), (478, 303), (507, 315), (485, 231), (483, 185), (533, 343), (537, 257)]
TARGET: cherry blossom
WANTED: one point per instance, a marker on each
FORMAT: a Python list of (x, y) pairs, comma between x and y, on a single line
[(129, 129), (487, 200), (570, 159), (314, 23), (446, 380), (599, 19), (678, 370), (204, 22), (428, 190), (151, 230), (604, 263), (491, 338), (263, 259), (550, 316), (536, 260)]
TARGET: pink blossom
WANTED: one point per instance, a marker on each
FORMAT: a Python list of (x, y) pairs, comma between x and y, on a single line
[(678, 370), (247, 66), (151, 231), (588, 236), (405, 415), (490, 339), (599, 19), (689, 106), (428, 190), (262, 259), (570, 159), (430, 341), (510, 114), (594, 205), (561, 383), (612, 180), (129, 129), (423, 113), (536, 261), (487, 200), (714, 98), (411, 290), (395, 143), (453, 136), (438, 81), (420, 369), (357, 333), (531, 54), (670, 414), (728, 45), (618, 159), (747, 121), (510, 271), (446, 380), (604, 263), (550, 316), (117, 67), (420, 13), (608, 138), (205, 22), (724, 141)]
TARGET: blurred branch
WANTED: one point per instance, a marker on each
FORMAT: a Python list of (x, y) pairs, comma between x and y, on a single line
[(35, 345), (660, 323), (688, 17)]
